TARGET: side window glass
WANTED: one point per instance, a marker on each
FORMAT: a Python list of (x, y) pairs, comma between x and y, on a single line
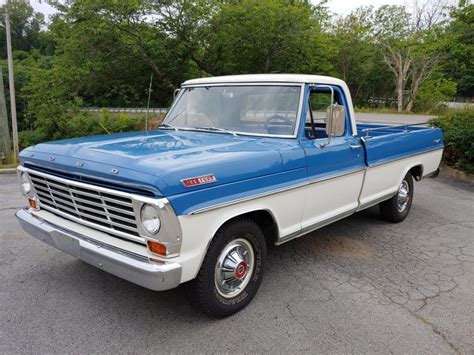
[(317, 106)]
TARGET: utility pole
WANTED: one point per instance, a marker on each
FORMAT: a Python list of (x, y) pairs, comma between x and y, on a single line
[(11, 81), (6, 152)]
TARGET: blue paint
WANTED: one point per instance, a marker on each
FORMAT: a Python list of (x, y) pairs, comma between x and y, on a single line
[(154, 163), (395, 143), (159, 160), (215, 195), (324, 157)]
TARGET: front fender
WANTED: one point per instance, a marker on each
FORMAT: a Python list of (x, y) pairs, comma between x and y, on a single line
[(285, 207)]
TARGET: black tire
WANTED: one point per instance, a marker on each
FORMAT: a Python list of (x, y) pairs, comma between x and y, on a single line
[(204, 293), (390, 210)]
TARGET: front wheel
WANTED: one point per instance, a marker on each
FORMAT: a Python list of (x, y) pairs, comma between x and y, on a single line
[(232, 269), (397, 208)]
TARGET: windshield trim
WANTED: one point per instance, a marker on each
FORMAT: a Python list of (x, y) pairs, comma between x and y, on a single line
[(262, 83)]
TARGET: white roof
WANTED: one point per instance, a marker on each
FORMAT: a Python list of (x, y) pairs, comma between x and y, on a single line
[(271, 78)]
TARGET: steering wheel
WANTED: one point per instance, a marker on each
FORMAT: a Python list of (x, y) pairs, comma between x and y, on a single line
[(277, 120)]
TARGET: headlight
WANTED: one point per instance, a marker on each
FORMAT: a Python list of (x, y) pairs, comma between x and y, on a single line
[(150, 219), (25, 184)]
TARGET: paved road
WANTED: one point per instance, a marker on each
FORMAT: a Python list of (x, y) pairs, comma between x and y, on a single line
[(360, 285)]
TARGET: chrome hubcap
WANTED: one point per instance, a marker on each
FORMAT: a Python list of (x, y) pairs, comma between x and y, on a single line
[(403, 196), (234, 268)]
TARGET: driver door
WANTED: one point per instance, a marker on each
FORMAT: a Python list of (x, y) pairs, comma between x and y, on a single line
[(335, 166)]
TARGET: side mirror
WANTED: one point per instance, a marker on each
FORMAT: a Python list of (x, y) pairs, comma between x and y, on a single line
[(175, 93), (335, 120)]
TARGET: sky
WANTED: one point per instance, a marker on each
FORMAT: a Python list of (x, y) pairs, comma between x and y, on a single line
[(341, 7)]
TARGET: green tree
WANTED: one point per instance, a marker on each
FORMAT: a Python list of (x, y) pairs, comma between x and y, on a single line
[(31, 42), (263, 36), (459, 48), (114, 47), (358, 59), (26, 28), (410, 46)]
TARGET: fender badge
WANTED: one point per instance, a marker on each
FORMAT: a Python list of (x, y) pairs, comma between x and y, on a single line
[(199, 180), (114, 171)]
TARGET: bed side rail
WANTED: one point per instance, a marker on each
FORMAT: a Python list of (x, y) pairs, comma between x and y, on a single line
[(400, 128)]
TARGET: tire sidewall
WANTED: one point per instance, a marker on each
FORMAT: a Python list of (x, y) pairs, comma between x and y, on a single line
[(403, 214), (249, 231), (389, 209)]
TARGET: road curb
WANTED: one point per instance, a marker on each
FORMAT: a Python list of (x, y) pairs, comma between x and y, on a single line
[(457, 174), (7, 171)]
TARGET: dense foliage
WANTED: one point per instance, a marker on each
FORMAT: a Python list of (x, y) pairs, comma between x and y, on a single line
[(102, 53), (78, 124), (458, 129)]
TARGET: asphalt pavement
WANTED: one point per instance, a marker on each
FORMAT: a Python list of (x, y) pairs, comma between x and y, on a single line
[(360, 285)]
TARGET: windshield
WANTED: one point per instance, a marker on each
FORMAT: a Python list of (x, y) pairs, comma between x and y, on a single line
[(253, 109)]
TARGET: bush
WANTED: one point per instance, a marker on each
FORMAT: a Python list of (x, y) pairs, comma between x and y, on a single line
[(458, 129), (432, 93), (79, 124), (31, 137)]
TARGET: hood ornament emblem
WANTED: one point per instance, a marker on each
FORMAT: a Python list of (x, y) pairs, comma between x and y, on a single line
[(51, 158), (80, 163), (114, 171), (199, 180)]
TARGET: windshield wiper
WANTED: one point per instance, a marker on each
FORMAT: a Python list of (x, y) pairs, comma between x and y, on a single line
[(167, 125), (216, 129)]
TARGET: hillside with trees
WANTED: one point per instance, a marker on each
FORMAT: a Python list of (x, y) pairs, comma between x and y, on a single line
[(93, 53)]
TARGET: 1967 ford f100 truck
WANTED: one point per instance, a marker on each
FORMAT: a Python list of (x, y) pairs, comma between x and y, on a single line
[(240, 163)]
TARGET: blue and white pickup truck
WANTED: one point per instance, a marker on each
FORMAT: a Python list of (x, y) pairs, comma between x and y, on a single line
[(240, 163)]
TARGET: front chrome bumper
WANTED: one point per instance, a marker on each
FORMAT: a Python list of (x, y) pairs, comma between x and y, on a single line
[(128, 266)]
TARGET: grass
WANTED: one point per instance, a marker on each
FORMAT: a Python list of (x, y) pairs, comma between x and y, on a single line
[(8, 166)]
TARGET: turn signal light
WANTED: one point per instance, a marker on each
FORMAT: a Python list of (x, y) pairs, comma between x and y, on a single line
[(32, 203), (156, 248)]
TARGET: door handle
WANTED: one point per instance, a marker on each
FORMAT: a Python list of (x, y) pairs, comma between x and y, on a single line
[(355, 146)]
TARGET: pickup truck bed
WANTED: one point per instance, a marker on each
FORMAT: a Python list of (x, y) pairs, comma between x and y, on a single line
[(386, 142)]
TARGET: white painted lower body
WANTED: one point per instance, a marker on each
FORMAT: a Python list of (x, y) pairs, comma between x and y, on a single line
[(302, 209), (384, 179)]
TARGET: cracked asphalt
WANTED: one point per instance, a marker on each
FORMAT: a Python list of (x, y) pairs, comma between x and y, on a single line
[(360, 285)]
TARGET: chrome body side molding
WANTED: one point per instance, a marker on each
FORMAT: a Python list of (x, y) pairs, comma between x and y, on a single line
[(313, 227), (311, 181), (272, 192), (375, 202)]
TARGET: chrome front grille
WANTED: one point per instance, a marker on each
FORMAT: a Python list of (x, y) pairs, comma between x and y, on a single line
[(87, 204)]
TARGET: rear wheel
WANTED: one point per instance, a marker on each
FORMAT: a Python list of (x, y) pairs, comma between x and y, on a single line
[(232, 269), (397, 208)]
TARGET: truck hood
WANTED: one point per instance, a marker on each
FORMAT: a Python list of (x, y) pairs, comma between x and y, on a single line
[(159, 160)]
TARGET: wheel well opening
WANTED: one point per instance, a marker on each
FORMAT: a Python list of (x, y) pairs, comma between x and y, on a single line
[(417, 172), (265, 221)]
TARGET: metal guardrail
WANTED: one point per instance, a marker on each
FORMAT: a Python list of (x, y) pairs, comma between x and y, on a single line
[(459, 105), (456, 105), (126, 109)]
